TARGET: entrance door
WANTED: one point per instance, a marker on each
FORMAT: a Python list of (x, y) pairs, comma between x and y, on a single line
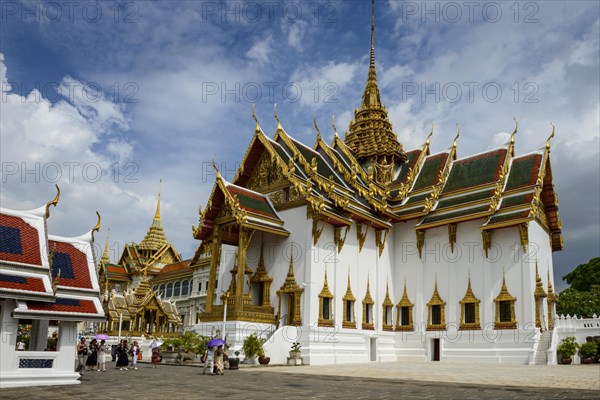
[(373, 349), (436, 350)]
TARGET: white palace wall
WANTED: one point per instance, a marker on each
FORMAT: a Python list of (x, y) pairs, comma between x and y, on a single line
[(400, 262)]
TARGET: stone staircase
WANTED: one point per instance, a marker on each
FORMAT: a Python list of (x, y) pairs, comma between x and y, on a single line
[(541, 357)]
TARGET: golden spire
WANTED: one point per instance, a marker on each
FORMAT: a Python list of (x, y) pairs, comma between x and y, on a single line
[(105, 259), (157, 213), (371, 137), (155, 237), (372, 91)]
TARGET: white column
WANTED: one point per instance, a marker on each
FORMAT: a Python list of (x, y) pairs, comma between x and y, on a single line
[(39, 335)]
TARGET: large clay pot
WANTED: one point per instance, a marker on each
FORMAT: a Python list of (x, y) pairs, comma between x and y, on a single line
[(566, 361), (587, 360), (263, 360)]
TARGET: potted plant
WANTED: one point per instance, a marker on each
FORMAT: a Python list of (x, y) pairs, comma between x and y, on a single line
[(295, 351), (567, 349), (234, 362), (587, 352), (262, 360), (252, 347), (184, 348)]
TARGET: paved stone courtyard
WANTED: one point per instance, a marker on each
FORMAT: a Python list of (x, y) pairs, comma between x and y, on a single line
[(179, 383)]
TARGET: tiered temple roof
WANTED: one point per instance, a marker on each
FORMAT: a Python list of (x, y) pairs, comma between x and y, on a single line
[(51, 277), (433, 189)]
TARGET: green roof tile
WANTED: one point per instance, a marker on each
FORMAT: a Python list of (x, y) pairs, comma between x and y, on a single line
[(516, 200), (507, 217), (524, 171), (465, 199), (437, 218), (430, 170), (474, 171)]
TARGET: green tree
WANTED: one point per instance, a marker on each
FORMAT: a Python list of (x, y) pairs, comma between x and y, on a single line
[(584, 276), (583, 304)]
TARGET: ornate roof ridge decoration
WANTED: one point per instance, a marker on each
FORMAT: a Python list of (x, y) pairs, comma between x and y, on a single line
[(539, 285), (53, 202), (290, 284), (348, 296), (155, 237), (528, 194), (404, 301), (405, 187), (371, 136)]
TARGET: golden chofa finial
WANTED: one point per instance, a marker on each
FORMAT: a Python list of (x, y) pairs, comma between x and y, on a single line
[(456, 137), (257, 128), (216, 168), (430, 135), (550, 137), (335, 133), (97, 227), (316, 127), (54, 201), (279, 127), (512, 137)]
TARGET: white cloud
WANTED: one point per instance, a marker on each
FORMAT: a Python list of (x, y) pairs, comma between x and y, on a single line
[(295, 33), (261, 50), (322, 85)]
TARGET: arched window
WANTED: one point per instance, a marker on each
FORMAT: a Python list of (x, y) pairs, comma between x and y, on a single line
[(185, 288), (161, 291), (169, 290), (177, 289)]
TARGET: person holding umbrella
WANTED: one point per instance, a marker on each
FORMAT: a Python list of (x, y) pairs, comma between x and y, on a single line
[(155, 347), (219, 359)]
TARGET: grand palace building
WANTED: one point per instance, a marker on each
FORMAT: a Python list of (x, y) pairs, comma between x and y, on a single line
[(363, 250)]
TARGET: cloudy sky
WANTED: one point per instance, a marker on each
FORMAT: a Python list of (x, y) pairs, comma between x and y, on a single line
[(106, 98)]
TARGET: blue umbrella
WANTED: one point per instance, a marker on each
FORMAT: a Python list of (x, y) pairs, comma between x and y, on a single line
[(215, 342)]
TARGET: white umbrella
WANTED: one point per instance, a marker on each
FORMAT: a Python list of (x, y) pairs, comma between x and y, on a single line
[(156, 343)]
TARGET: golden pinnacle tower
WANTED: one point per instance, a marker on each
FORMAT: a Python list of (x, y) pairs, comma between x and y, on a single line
[(155, 237), (370, 136)]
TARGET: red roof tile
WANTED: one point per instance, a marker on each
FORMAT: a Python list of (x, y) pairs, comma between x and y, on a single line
[(72, 263), (24, 245), (22, 283), (64, 305)]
